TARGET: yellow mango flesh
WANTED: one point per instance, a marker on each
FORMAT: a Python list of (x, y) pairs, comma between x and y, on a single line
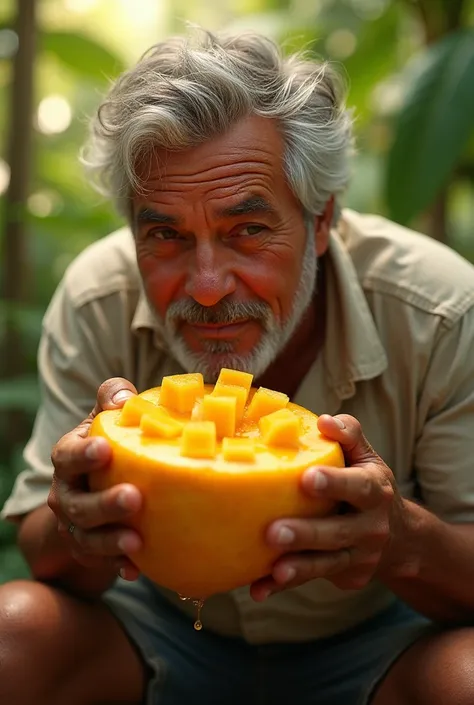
[(179, 392), (281, 428), (238, 450), (222, 411), (199, 440), (233, 390), (235, 378), (203, 519), (266, 401), (160, 425)]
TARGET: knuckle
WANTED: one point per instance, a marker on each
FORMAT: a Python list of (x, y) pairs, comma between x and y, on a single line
[(357, 582), (369, 560), (380, 531), (338, 561), (366, 485), (75, 510), (342, 536), (388, 492)]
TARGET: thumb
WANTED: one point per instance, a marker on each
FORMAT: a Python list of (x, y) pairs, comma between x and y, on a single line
[(113, 393), (347, 431)]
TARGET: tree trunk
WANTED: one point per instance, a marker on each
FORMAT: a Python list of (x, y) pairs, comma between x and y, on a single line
[(15, 275)]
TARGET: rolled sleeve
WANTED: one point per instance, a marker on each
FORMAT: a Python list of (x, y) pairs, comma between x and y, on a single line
[(71, 366), (444, 457)]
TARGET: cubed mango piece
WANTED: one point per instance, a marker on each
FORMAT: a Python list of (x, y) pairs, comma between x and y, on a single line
[(133, 410), (199, 439), (179, 392), (238, 450), (231, 390), (159, 424), (235, 377), (221, 410), (264, 402), (196, 413), (280, 428)]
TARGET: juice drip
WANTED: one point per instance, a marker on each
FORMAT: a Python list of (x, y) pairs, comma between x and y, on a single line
[(198, 603)]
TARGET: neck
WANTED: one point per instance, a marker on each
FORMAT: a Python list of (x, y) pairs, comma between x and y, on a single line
[(288, 370)]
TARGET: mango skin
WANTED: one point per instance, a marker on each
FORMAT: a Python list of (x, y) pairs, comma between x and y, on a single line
[(203, 521)]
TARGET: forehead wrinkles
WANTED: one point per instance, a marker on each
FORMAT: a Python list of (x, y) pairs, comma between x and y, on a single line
[(236, 172)]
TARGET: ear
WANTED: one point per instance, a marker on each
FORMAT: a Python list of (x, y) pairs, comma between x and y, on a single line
[(322, 227)]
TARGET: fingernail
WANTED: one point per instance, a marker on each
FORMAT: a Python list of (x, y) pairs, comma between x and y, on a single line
[(320, 481), (121, 396), (128, 543), (288, 573), (285, 535), (124, 500), (339, 422), (92, 450)]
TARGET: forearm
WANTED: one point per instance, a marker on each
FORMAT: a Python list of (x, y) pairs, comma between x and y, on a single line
[(433, 571), (50, 560)]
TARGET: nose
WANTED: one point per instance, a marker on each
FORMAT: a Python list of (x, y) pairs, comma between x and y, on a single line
[(210, 278)]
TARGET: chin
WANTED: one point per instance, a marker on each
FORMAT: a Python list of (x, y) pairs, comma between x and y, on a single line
[(223, 354)]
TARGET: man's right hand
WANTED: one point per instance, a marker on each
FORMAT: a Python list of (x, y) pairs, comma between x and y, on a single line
[(91, 522)]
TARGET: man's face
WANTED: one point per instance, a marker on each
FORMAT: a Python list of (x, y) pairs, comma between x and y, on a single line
[(227, 261)]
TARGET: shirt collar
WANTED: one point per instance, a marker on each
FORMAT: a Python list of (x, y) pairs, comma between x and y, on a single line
[(353, 351)]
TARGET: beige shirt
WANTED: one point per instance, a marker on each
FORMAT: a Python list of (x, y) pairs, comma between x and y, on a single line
[(398, 355)]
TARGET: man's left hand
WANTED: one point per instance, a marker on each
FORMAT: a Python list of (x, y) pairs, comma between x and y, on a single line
[(349, 548)]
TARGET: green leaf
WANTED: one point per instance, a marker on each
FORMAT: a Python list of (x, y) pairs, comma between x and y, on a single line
[(21, 393), (375, 58), (433, 126), (86, 57)]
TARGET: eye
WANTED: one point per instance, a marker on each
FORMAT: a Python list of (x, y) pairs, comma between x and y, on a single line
[(162, 234), (249, 230)]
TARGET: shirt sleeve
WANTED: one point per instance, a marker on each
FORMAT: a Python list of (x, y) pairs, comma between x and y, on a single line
[(444, 455), (72, 363)]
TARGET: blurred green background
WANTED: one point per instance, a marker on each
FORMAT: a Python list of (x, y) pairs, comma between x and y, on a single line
[(409, 66)]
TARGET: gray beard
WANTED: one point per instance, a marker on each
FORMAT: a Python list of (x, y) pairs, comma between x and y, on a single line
[(219, 353)]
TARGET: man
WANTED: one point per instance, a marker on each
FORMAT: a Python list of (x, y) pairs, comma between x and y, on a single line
[(229, 162)]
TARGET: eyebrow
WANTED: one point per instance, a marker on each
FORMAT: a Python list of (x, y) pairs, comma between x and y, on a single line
[(150, 215), (253, 204)]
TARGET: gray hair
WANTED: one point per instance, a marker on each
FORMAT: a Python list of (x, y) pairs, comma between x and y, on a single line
[(185, 91)]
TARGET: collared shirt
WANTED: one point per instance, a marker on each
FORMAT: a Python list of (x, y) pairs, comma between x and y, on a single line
[(398, 355)]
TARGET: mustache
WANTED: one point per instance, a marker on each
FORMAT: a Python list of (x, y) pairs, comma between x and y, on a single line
[(222, 313)]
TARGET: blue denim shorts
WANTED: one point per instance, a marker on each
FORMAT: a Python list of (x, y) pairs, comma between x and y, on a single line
[(189, 667)]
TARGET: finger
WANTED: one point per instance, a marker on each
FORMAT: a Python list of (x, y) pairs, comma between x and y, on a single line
[(75, 453), (73, 456), (295, 569), (122, 565), (109, 542), (347, 431), (113, 393), (364, 488), (328, 534), (89, 510)]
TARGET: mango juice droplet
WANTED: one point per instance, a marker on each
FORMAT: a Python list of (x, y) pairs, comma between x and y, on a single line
[(198, 623), (198, 603)]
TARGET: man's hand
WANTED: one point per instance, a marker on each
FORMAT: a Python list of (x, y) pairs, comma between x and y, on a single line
[(91, 521), (352, 547)]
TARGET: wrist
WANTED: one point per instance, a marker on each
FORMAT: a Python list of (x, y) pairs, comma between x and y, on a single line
[(402, 558)]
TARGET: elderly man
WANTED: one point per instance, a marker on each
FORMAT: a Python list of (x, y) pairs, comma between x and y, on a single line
[(228, 162)]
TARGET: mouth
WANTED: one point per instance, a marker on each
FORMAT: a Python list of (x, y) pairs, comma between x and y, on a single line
[(217, 331)]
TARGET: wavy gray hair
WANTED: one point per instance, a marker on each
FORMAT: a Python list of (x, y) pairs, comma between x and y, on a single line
[(187, 90)]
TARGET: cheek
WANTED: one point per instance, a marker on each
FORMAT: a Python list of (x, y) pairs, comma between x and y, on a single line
[(162, 280), (273, 278)]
